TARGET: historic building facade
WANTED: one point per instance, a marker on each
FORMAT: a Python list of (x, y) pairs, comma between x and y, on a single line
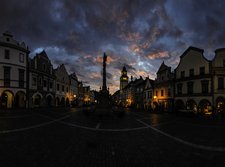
[(163, 89), (80, 93), (123, 78), (62, 94), (13, 72), (42, 81), (193, 82), (218, 84), (148, 93), (73, 89)]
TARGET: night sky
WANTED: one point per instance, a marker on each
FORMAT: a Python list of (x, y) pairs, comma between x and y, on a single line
[(139, 34)]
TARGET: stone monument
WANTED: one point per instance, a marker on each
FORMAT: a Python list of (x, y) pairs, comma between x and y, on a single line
[(104, 105)]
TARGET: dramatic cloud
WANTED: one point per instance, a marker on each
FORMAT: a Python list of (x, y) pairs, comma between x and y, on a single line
[(138, 34)]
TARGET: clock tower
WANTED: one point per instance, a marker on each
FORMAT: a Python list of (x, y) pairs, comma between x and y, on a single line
[(123, 78)]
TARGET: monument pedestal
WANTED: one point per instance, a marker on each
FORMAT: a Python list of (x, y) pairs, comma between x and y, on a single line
[(104, 107)]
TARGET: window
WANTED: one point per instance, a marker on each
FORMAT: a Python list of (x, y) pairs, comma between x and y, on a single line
[(182, 74), (223, 63), (169, 92), (63, 88), (191, 72), (205, 86), (190, 87), (67, 89), (21, 58), (40, 81), (7, 39), (50, 85), (202, 70), (162, 93), (7, 54), (179, 88), (149, 94), (7, 76), (220, 83), (34, 81), (44, 67), (156, 93), (57, 87), (45, 83), (21, 78)]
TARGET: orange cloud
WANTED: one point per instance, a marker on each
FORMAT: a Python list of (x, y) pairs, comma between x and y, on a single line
[(99, 59), (131, 37), (158, 55)]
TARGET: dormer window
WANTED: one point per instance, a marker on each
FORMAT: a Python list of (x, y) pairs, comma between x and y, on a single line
[(7, 39)]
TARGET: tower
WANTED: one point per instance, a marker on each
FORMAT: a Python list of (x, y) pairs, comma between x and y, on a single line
[(123, 78)]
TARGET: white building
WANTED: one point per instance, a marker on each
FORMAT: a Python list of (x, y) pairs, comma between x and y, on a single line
[(193, 80), (13, 72), (218, 71), (62, 93)]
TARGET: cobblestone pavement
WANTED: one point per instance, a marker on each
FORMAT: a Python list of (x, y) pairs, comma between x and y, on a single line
[(49, 137)]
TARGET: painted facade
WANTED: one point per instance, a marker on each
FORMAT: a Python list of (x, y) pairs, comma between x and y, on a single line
[(42, 81), (13, 72), (193, 82), (163, 89), (62, 93)]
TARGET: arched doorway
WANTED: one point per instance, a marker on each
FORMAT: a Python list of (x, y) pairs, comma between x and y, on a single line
[(7, 99), (192, 105), (63, 102), (67, 102), (220, 105), (205, 106), (179, 105), (20, 100), (37, 100)]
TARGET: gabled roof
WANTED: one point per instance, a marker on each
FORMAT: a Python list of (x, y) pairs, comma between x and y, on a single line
[(162, 67), (149, 81), (43, 54), (192, 48)]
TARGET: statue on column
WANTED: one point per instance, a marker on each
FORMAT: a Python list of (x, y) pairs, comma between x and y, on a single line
[(104, 87)]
